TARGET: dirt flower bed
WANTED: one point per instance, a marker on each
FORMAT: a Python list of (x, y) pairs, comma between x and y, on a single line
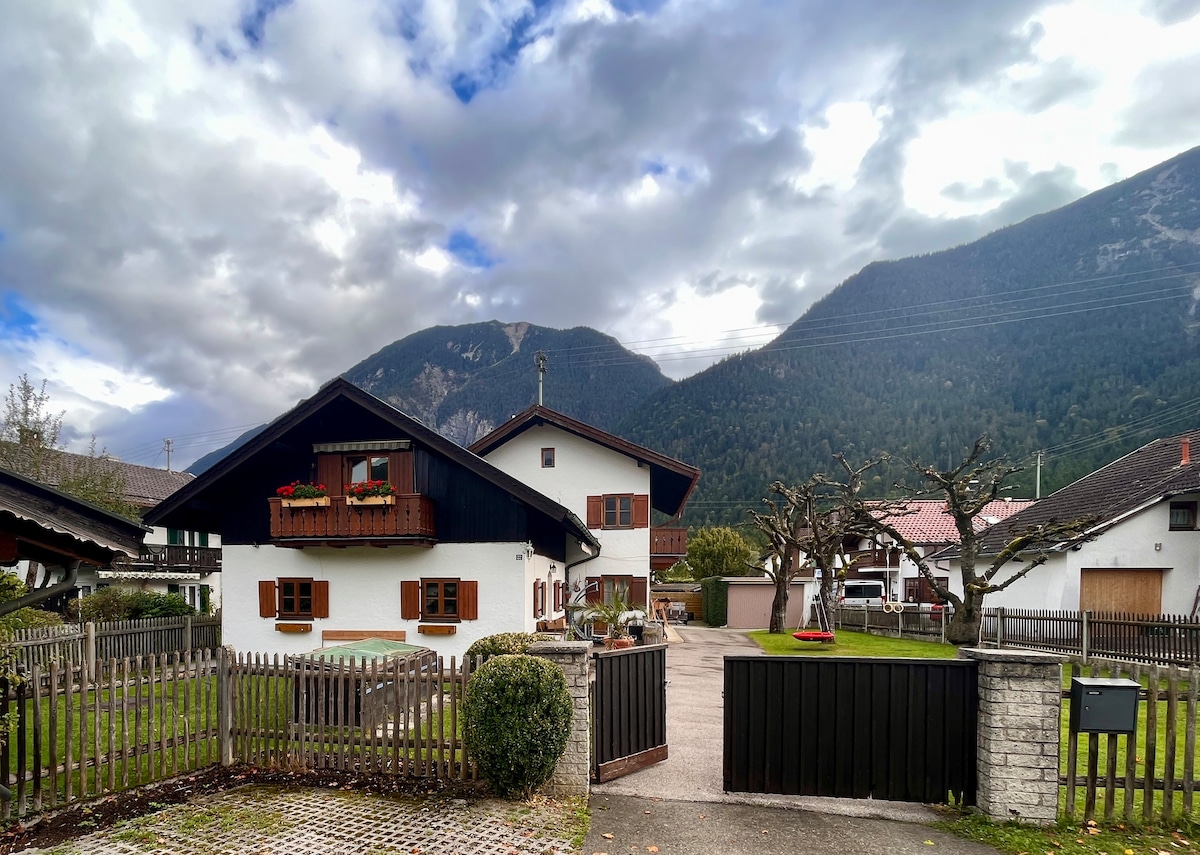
[(52, 829)]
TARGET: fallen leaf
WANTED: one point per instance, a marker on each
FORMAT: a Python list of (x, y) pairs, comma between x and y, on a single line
[(651, 848), (608, 836), (928, 842), (1128, 852)]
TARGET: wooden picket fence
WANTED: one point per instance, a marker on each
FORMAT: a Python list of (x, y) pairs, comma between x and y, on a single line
[(1153, 769), (93, 642), (1151, 639), (77, 732), (397, 717)]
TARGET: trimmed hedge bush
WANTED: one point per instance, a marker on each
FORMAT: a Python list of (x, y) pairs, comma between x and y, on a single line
[(516, 720), (715, 593), (501, 643)]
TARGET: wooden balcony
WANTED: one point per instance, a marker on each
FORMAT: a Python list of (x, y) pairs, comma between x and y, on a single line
[(875, 559), (667, 545), (156, 558), (409, 521)]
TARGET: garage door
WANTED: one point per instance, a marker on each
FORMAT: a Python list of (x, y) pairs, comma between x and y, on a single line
[(1135, 591)]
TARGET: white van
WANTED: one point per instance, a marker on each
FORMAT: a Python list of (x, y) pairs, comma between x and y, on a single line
[(861, 592)]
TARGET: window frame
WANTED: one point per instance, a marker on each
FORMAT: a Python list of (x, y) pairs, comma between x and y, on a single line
[(297, 613), (443, 616), (1186, 507), (548, 458), (617, 499)]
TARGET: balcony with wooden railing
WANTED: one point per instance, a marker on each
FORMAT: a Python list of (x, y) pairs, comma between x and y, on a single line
[(667, 545), (875, 559), (176, 558), (408, 521)]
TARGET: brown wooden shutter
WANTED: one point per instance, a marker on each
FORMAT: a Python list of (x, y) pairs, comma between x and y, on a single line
[(536, 586), (329, 473), (558, 596), (410, 600), (320, 604), (595, 511), (400, 471), (468, 600), (641, 511), (266, 598), (637, 593)]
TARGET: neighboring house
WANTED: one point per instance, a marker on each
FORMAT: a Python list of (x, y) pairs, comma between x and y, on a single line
[(930, 527), (59, 531), (1145, 557), (464, 551), (171, 561), (608, 481)]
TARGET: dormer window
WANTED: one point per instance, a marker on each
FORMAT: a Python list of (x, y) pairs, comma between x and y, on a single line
[(341, 463), (1183, 516), (368, 468)]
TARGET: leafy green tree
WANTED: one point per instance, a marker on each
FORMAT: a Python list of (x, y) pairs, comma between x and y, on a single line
[(30, 435), (720, 551)]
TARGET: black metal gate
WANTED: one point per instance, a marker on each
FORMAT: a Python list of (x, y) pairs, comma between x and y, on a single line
[(629, 710), (896, 729)]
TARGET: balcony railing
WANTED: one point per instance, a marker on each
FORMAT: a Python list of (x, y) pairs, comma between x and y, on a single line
[(411, 516), (668, 542), (875, 559), (156, 558)]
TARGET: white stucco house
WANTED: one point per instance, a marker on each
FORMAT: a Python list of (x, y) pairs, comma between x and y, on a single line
[(1144, 557), (930, 527), (170, 561), (463, 550), (611, 483)]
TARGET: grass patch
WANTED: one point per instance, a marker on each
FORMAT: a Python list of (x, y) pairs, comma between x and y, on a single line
[(1072, 839), (849, 643)]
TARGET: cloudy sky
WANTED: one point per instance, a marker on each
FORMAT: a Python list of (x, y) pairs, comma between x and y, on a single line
[(209, 207)]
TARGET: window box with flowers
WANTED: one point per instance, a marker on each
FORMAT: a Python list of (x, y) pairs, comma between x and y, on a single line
[(297, 495), (370, 493)]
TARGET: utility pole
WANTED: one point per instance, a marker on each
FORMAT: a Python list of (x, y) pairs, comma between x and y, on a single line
[(1037, 489), (167, 443), (539, 359)]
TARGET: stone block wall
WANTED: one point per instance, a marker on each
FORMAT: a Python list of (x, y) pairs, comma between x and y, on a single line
[(572, 776), (1018, 744)]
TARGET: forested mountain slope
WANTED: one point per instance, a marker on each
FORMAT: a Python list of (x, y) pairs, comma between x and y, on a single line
[(1074, 331)]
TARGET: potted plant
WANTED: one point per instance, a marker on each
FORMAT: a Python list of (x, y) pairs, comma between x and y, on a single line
[(370, 493), (616, 615), (297, 495)]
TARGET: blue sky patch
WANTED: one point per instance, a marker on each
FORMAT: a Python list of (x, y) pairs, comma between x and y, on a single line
[(653, 167), (15, 319), (464, 246), (634, 7), (490, 73), (254, 22)]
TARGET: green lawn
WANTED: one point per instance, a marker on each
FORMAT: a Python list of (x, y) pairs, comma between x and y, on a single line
[(850, 643)]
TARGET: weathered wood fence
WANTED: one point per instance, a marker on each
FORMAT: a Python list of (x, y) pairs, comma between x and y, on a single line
[(905, 620), (1153, 769), (96, 642), (1152, 639), (78, 732)]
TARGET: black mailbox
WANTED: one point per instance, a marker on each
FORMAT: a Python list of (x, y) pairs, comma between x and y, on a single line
[(1104, 705)]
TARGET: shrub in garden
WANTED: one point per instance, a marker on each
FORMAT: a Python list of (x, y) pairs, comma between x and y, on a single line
[(516, 720), (501, 643)]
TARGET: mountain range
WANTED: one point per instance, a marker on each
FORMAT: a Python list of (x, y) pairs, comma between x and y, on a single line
[(1073, 332)]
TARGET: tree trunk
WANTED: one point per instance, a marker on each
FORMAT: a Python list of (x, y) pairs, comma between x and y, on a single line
[(963, 628), (827, 599), (31, 576), (779, 606)]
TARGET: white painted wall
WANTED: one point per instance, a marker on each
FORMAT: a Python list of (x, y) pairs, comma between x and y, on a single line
[(364, 591), (582, 468)]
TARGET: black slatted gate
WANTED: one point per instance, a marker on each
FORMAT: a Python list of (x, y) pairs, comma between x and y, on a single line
[(896, 729), (629, 710)]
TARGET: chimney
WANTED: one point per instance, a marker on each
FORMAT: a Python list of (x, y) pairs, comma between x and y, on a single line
[(1185, 451)]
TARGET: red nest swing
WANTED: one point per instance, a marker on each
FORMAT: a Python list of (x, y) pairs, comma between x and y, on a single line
[(823, 635)]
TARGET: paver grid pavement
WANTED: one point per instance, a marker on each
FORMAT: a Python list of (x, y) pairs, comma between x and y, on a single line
[(260, 820)]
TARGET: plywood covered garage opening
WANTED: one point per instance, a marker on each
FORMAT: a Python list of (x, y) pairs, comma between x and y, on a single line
[(1131, 591)]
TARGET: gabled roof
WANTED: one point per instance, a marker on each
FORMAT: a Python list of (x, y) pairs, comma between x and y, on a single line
[(145, 486), (340, 388), (671, 480), (930, 523), (53, 527), (1142, 478)]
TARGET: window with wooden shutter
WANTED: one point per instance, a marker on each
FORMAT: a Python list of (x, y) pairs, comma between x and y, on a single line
[(637, 593), (266, 598), (320, 599), (468, 606), (300, 598), (439, 600), (595, 511), (641, 511), (410, 600), (558, 603)]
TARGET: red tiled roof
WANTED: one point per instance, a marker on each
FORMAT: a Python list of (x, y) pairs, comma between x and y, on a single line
[(930, 523)]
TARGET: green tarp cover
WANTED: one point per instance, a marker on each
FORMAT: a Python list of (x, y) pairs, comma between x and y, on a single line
[(367, 648)]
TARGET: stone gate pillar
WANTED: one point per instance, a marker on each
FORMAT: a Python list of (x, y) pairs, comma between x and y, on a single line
[(572, 775), (1020, 698)]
